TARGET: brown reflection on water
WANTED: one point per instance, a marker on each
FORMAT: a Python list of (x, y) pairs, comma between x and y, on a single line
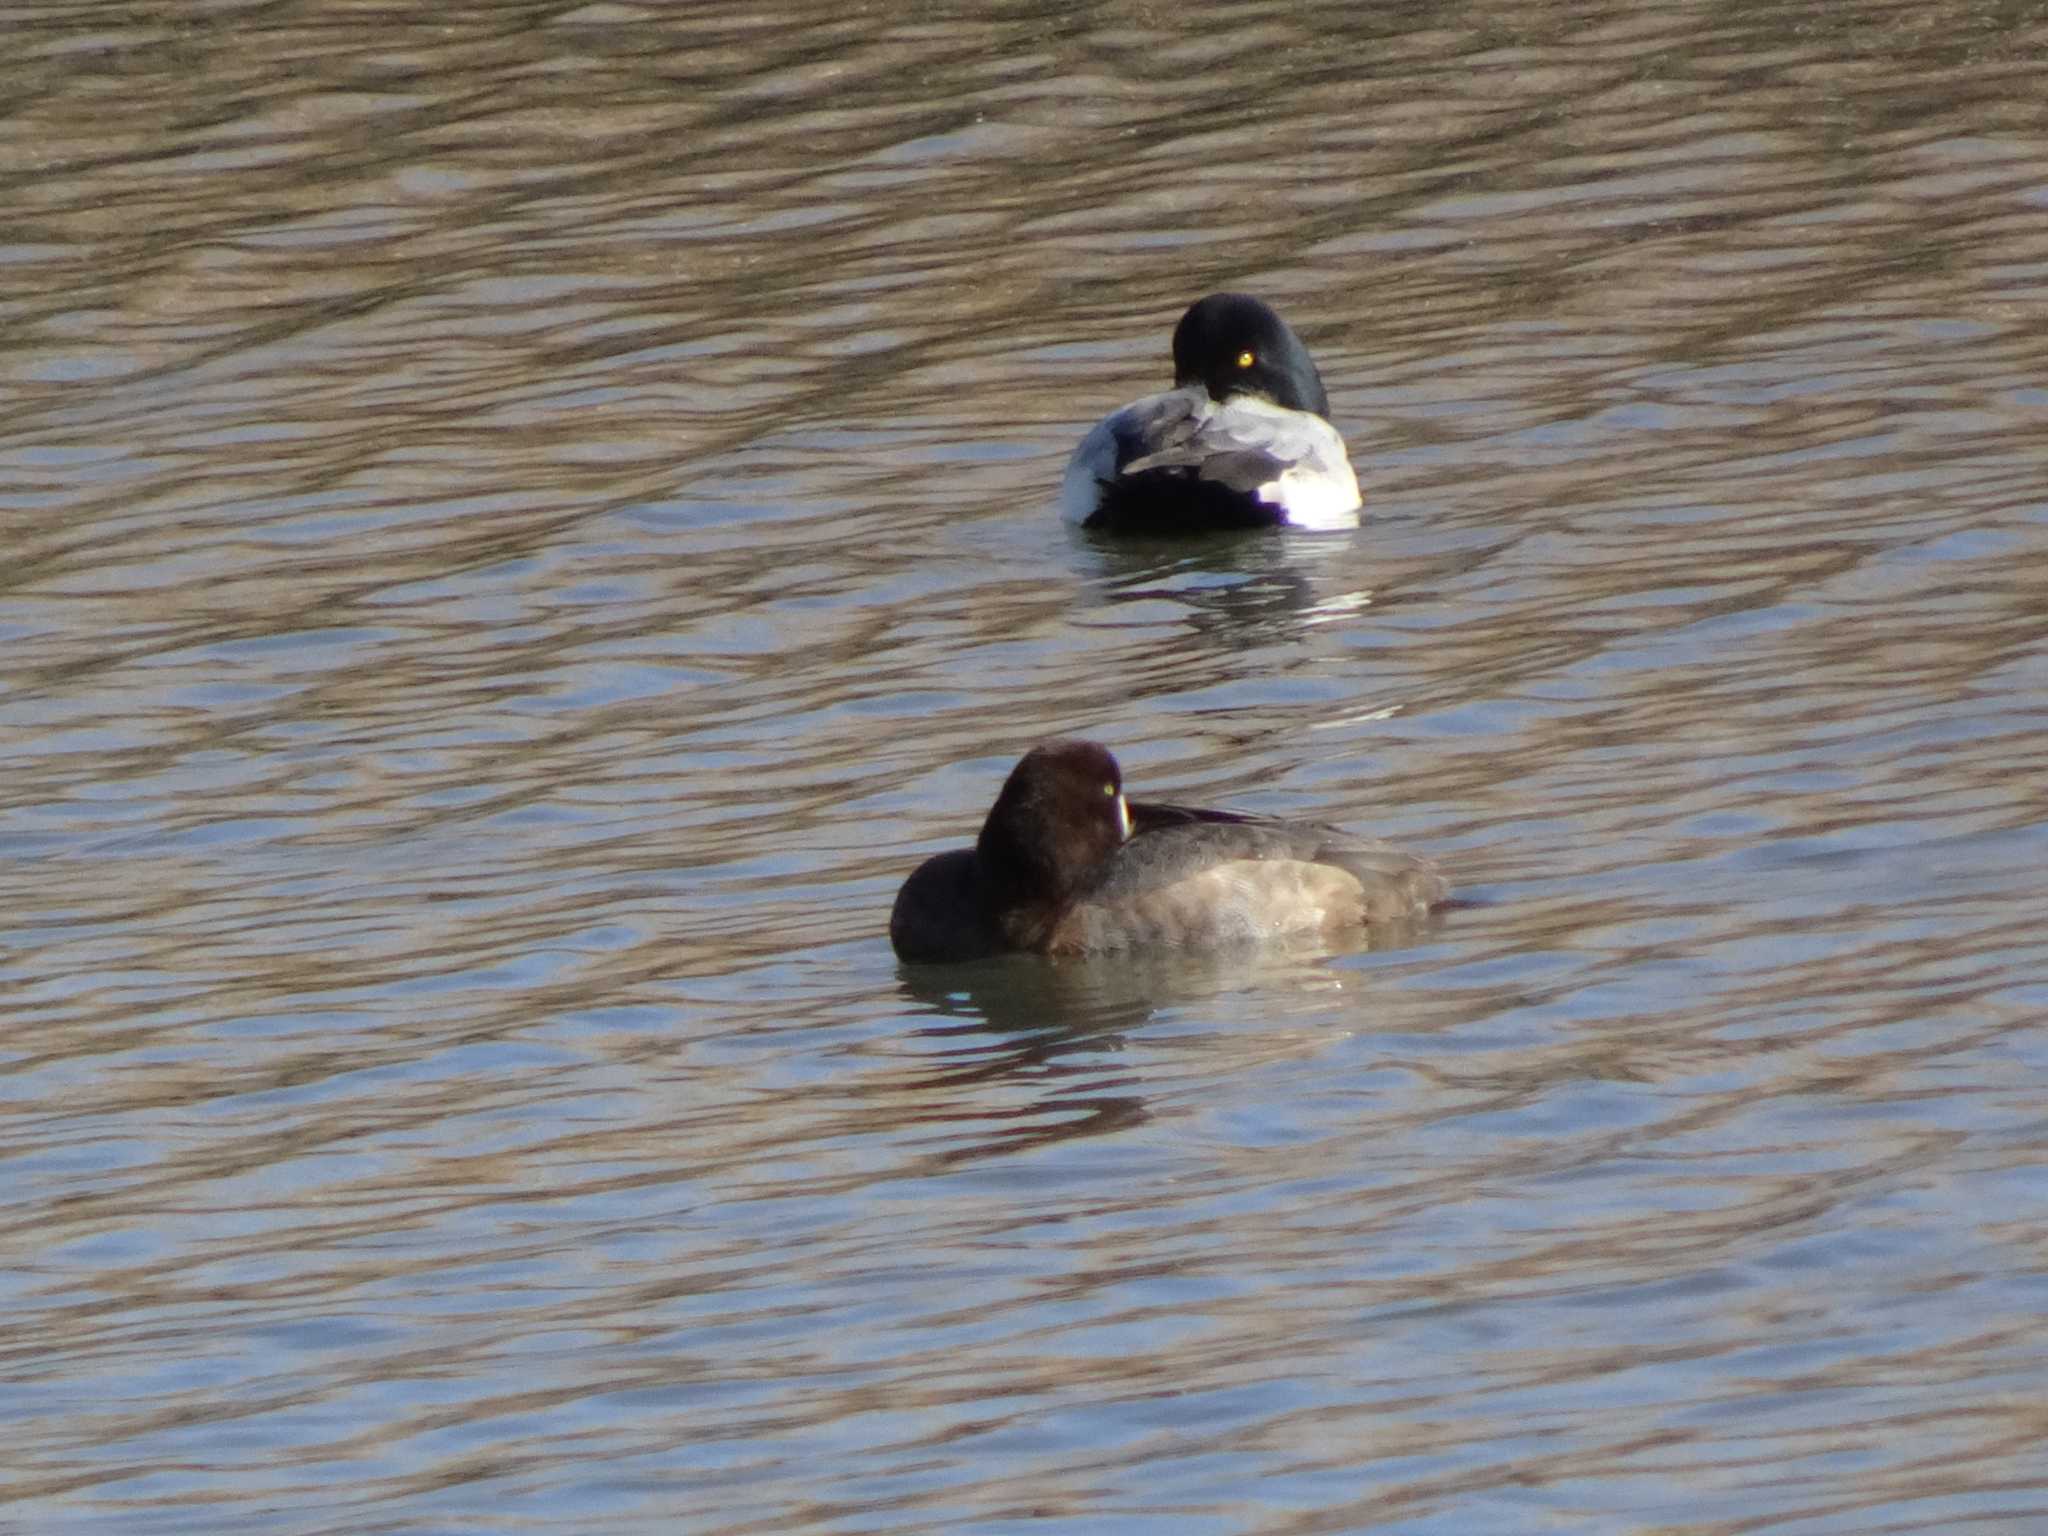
[(518, 525)]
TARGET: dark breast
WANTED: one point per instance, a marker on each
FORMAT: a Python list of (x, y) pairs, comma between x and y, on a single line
[(939, 915)]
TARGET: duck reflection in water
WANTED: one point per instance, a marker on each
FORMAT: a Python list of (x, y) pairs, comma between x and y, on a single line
[(1025, 1054)]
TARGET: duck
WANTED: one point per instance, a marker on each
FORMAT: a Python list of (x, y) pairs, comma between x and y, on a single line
[(1242, 440), (1066, 864)]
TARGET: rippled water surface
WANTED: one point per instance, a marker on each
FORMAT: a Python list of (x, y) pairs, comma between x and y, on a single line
[(523, 522)]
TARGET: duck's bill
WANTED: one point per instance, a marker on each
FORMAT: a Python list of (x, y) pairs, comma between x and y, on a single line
[(1123, 817)]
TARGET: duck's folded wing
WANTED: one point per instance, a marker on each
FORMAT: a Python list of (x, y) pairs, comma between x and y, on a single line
[(1156, 424), (1248, 443), (1290, 461), (1169, 841), (1184, 451), (1198, 877), (1150, 816)]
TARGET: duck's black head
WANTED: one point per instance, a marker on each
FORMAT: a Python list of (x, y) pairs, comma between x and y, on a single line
[(1061, 813), (1234, 344)]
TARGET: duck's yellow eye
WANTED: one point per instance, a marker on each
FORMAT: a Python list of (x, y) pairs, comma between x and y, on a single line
[(1109, 789), (1245, 359)]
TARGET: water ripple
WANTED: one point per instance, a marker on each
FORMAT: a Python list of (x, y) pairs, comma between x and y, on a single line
[(524, 523)]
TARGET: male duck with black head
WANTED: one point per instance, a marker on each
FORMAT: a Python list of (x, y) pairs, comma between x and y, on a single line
[(1065, 865), (1242, 440)]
